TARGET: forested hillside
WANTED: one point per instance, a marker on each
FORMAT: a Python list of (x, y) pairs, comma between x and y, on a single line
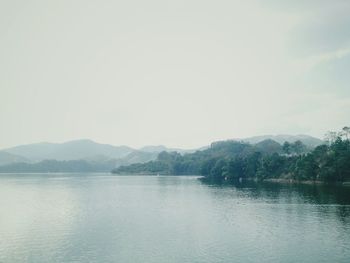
[(231, 160)]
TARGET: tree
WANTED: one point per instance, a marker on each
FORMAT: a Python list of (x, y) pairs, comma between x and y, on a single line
[(306, 168), (286, 147), (346, 132), (235, 169), (217, 171), (298, 147), (331, 136), (252, 163)]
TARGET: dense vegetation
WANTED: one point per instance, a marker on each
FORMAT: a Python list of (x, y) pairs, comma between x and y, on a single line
[(231, 160)]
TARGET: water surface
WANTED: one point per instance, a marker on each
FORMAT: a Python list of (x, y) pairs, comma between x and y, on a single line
[(107, 218)]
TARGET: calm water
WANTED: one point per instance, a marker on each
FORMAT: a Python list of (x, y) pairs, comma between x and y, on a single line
[(106, 218)]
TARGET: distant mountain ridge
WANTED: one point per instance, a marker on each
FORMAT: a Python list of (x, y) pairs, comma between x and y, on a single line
[(94, 153), (308, 140), (83, 149), (72, 150)]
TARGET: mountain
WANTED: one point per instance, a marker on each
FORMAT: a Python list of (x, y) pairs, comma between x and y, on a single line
[(219, 152), (188, 164), (91, 156), (96, 163), (7, 158), (282, 138), (73, 156), (72, 150)]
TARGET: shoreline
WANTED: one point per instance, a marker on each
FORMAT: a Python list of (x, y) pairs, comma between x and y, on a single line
[(307, 182), (292, 181)]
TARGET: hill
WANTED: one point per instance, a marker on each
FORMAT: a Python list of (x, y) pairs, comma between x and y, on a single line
[(191, 163), (73, 156), (94, 156), (229, 161), (268, 146)]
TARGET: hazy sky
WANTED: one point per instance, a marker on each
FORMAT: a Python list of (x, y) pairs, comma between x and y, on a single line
[(179, 73)]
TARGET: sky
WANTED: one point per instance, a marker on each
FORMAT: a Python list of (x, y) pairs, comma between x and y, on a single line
[(177, 73)]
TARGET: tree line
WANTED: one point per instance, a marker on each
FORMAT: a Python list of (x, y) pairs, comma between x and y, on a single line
[(235, 160)]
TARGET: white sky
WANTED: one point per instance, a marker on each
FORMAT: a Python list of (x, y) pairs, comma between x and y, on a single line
[(178, 73)]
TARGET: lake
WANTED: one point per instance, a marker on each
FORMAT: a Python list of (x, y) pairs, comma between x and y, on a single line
[(107, 218)]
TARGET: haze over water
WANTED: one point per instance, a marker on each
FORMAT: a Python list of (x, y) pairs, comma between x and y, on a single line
[(105, 218)]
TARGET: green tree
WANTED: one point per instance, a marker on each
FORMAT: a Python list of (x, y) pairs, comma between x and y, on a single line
[(286, 147)]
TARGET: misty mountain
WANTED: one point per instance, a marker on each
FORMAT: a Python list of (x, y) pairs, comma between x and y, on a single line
[(97, 163), (95, 155), (72, 150), (308, 140), (92, 156), (237, 153), (7, 158)]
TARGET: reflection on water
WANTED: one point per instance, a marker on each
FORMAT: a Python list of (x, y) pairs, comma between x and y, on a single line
[(319, 196), (106, 218)]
